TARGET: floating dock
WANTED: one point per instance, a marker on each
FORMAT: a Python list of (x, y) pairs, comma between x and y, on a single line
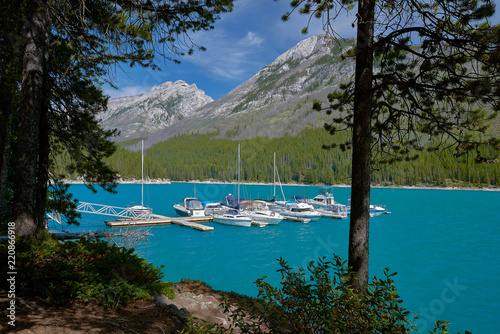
[(192, 222)]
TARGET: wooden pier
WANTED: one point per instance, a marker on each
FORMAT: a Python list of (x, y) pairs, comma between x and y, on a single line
[(192, 222)]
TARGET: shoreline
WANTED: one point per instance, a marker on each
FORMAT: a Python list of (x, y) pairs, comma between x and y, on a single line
[(166, 181)]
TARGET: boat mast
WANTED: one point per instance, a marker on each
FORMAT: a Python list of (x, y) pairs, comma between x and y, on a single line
[(274, 177), (279, 181), (238, 198), (142, 174)]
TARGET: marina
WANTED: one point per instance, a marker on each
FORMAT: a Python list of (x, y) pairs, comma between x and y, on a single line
[(432, 251)]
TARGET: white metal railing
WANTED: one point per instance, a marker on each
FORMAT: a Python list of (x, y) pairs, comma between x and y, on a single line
[(115, 211)]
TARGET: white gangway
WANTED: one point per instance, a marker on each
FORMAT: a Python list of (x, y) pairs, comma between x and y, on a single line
[(115, 211)]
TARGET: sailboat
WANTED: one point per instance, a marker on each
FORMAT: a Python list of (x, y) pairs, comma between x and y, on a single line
[(273, 204), (232, 216), (140, 211)]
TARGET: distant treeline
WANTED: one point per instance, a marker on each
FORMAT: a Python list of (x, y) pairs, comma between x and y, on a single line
[(299, 159)]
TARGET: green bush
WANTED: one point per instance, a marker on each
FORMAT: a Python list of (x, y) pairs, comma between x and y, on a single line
[(59, 272), (320, 299)]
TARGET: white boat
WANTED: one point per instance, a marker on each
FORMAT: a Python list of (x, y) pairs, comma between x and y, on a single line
[(375, 210), (325, 203), (141, 211), (234, 218), (323, 198), (190, 207), (293, 209), (259, 211), (212, 208), (337, 211)]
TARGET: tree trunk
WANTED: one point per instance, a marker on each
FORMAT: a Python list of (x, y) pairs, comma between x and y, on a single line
[(43, 164), (361, 158), (5, 143), (29, 120)]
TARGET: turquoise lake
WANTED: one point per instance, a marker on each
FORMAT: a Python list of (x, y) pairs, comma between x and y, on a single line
[(444, 245)]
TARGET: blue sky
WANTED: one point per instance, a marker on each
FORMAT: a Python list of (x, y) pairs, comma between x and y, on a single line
[(242, 43)]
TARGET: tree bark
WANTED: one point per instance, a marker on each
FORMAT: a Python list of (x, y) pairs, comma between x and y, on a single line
[(5, 144), (32, 98), (361, 159), (43, 164)]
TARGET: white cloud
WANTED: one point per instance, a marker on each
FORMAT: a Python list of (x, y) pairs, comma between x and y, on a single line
[(125, 91), (252, 39), (230, 55)]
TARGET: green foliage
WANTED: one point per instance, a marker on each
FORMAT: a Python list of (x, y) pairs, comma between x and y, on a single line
[(298, 159), (322, 299), (436, 79), (319, 299), (91, 270)]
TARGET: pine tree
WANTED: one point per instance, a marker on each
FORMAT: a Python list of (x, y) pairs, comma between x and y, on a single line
[(69, 48), (435, 86)]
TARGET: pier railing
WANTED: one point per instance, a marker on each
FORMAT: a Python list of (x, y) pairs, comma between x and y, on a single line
[(114, 211)]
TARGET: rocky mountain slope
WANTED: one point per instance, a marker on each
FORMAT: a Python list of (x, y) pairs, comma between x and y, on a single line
[(163, 105), (278, 99), (274, 102)]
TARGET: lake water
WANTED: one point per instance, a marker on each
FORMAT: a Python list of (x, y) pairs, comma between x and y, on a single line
[(444, 245)]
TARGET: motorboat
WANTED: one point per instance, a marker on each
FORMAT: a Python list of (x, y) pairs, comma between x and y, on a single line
[(337, 211), (325, 203), (233, 218), (212, 208), (323, 198), (294, 209), (190, 207), (259, 211), (375, 210)]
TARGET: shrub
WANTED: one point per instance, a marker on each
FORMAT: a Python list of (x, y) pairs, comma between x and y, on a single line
[(59, 272), (320, 299)]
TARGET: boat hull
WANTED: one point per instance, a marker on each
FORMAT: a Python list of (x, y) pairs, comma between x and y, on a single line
[(233, 221), (312, 218), (332, 214), (265, 217), (181, 211)]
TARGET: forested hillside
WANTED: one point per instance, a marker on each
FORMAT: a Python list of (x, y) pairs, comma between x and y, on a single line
[(298, 159)]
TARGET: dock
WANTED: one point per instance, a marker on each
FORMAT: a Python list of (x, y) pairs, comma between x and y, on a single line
[(192, 222)]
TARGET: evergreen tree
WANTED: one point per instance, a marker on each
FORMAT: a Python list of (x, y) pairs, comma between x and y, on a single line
[(436, 78), (66, 46)]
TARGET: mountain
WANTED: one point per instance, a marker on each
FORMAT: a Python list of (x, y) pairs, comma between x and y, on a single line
[(163, 105), (274, 102), (278, 99)]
